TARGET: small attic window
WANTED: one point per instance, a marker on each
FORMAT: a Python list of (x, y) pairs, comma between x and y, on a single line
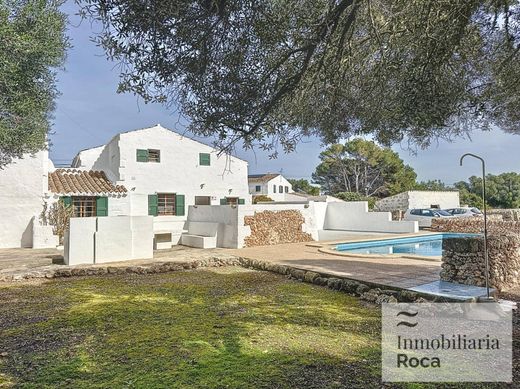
[(148, 155), (154, 155)]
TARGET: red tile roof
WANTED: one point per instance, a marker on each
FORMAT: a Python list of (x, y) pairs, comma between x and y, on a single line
[(75, 181)]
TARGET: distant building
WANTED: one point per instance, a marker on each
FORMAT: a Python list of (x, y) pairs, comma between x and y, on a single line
[(273, 185), (419, 199)]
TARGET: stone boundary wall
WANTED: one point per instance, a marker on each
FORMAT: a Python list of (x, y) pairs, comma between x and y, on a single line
[(475, 225), (369, 292), (463, 261), (275, 227), (506, 214)]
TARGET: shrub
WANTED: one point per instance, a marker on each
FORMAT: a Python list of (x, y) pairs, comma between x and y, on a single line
[(261, 199)]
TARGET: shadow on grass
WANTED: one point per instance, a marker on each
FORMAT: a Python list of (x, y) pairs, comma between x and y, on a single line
[(196, 329)]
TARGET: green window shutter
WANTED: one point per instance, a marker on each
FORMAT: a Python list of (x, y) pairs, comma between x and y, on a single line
[(102, 206), (241, 201), (142, 155), (152, 205), (204, 159), (179, 205), (223, 201), (67, 200)]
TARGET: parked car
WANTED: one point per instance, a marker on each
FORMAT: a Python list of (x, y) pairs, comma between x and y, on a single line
[(425, 216), (464, 212)]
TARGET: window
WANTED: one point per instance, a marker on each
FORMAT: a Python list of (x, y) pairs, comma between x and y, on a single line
[(280, 189), (148, 155), (84, 206), (286, 189), (232, 200), (165, 204), (274, 188), (204, 159), (154, 155), (258, 188), (202, 200), (435, 206)]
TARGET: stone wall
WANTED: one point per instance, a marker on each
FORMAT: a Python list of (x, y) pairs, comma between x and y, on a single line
[(475, 225), (506, 214), (275, 227), (463, 260)]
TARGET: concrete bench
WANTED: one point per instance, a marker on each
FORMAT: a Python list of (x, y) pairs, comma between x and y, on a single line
[(200, 234)]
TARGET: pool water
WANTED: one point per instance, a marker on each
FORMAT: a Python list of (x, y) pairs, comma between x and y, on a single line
[(428, 245)]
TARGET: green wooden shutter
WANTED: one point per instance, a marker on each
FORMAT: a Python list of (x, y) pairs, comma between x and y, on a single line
[(179, 205), (142, 155), (223, 201), (67, 200), (241, 201), (204, 159), (152, 205), (102, 206)]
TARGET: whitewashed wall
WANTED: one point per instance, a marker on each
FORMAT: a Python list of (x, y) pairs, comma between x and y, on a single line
[(227, 218), (177, 172), (354, 216), (419, 199), (342, 216), (444, 199), (107, 239), (22, 184)]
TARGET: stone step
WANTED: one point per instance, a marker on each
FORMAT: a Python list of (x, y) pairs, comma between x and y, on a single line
[(452, 290)]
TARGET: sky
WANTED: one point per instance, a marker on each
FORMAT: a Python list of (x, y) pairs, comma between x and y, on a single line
[(89, 113)]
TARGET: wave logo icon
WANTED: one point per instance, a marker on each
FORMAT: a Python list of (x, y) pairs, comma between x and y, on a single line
[(407, 314)]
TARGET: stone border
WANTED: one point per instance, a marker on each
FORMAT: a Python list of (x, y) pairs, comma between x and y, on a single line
[(367, 291)]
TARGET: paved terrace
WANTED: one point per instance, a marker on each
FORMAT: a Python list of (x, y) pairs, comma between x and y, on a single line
[(386, 271), (393, 272)]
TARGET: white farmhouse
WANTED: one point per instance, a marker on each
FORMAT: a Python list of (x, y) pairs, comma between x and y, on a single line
[(164, 173), (152, 171), (275, 186)]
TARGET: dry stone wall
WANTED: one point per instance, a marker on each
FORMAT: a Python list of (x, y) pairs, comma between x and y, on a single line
[(475, 225), (506, 214), (275, 227), (463, 260)]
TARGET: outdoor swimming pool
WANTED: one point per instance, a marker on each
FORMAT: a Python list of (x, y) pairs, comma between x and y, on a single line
[(427, 245)]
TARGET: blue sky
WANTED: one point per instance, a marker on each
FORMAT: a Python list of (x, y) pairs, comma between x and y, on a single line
[(89, 112)]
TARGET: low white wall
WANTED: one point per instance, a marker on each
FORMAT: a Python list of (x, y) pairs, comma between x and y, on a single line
[(354, 216), (227, 218), (79, 241), (107, 239), (43, 236), (232, 231), (308, 211)]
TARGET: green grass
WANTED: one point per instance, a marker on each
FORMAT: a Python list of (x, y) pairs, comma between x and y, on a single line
[(218, 328)]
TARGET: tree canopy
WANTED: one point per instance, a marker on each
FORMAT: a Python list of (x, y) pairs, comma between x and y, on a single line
[(271, 71), (361, 166), (502, 190), (32, 44), (303, 186)]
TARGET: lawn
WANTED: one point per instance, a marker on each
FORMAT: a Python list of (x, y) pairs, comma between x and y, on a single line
[(214, 328)]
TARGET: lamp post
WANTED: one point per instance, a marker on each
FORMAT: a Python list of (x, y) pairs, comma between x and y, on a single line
[(486, 258)]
